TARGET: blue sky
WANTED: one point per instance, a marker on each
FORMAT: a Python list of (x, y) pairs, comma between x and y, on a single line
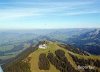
[(33, 14)]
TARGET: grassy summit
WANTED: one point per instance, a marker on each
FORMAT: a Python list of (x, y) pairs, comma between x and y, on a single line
[(55, 58)]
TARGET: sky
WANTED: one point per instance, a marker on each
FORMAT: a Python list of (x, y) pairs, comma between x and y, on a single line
[(48, 14)]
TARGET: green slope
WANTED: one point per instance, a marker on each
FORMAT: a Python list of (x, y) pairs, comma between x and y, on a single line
[(31, 62)]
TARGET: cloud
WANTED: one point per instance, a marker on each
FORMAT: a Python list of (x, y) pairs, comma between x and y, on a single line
[(81, 13), (17, 13), (26, 9)]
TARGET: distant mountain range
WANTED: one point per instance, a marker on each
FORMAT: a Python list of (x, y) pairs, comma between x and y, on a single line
[(85, 39), (89, 41)]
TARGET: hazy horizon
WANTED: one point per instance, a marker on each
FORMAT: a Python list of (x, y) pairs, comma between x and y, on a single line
[(43, 29)]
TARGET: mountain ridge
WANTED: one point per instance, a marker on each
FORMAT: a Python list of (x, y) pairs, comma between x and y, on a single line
[(53, 59)]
